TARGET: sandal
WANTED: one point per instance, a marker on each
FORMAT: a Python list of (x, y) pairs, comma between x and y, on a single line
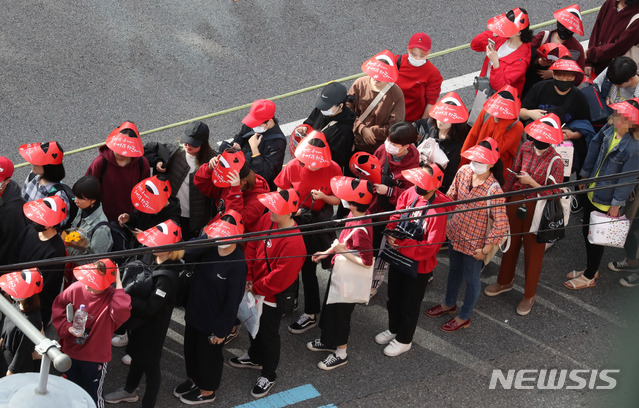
[(576, 274), (580, 282)]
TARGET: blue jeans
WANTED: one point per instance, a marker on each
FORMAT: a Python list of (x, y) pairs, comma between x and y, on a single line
[(463, 268)]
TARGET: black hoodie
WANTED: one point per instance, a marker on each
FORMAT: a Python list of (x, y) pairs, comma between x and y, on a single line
[(12, 220), (338, 130)]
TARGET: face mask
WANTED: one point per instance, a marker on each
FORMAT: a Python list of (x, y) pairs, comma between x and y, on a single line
[(345, 204), (224, 246), (540, 145), (391, 149), (330, 112), (39, 227), (415, 62), (478, 168), (563, 32), (420, 191), (260, 129), (563, 86)]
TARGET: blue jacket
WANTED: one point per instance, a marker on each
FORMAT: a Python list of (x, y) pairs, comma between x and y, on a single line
[(622, 158)]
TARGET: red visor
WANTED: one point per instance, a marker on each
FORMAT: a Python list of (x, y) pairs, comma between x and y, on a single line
[(483, 154), (546, 129), (449, 109), (22, 284), (570, 17), (565, 64), (552, 51), (151, 195), (91, 275), (224, 229), (351, 189), (165, 233), (48, 211), (227, 163), (280, 202), (124, 144), (366, 166), (503, 27), (505, 104), (313, 151), (295, 139), (422, 179), (626, 109), (381, 67), (41, 154)]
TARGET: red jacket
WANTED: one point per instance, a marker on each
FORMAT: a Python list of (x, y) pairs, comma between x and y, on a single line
[(512, 68), (303, 180), (424, 251), (421, 86), (233, 198), (117, 182), (409, 161), (285, 257)]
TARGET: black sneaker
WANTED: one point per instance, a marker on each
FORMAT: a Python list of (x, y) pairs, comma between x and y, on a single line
[(194, 397), (331, 362), (244, 362), (317, 345), (630, 281), (304, 323), (231, 336), (262, 387), (183, 388), (622, 266)]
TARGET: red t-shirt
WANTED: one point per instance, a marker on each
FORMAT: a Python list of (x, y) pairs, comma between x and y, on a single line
[(295, 175)]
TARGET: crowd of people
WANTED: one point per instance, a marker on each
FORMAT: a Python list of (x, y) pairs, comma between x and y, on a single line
[(385, 146)]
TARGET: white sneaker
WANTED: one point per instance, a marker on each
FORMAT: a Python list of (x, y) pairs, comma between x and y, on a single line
[(126, 360), (384, 337), (396, 348), (120, 340)]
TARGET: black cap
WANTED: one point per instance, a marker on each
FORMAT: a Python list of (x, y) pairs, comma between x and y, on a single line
[(332, 94), (195, 134)]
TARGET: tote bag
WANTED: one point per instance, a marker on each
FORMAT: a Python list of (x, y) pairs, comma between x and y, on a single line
[(350, 282)]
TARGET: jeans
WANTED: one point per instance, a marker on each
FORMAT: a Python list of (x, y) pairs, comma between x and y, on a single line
[(463, 268)]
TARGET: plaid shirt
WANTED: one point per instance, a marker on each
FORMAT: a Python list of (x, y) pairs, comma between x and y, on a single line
[(33, 190), (537, 166), (467, 230)]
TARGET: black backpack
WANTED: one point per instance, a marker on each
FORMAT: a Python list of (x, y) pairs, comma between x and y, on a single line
[(72, 211), (137, 279)]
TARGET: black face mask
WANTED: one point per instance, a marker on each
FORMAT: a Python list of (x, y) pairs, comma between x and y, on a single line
[(563, 32), (563, 86), (39, 227), (420, 191), (540, 145)]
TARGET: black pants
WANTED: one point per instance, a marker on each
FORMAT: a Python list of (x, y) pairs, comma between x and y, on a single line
[(265, 347), (204, 361), (405, 295), (311, 286), (89, 376), (145, 359), (594, 253), (336, 323)]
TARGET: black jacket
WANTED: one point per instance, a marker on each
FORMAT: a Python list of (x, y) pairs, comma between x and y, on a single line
[(339, 135), (12, 220), (16, 347)]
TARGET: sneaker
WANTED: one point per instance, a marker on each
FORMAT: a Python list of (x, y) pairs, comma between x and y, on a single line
[(304, 323), (126, 359), (194, 397), (231, 336), (262, 387), (396, 348), (317, 345), (385, 337), (244, 361), (120, 396), (331, 362), (630, 281), (622, 266), (183, 388), (120, 340)]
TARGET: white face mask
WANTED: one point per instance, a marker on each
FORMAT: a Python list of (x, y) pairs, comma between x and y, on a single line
[(345, 204), (415, 62), (479, 168), (331, 112), (260, 129), (224, 246), (391, 149)]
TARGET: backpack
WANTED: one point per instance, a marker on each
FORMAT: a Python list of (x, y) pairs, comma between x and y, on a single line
[(137, 279), (72, 211)]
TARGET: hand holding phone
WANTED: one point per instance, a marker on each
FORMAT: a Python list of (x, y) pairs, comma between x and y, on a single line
[(491, 43)]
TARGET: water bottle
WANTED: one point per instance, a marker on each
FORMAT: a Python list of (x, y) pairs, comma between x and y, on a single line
[(79, 321)]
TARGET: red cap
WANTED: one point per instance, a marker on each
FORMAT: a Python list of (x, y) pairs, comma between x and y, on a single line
[(295, 139), (151, 195), (41, 154), (313, 150), (22, 284), (165, 233), (505, 104), (366, 166), (280, 202), (92, 274), (381, 67), (228, 162), (223, 228), (261, 111), (629, 111), (422, 179), (570, 17), (352, 189), (123, 144), (546, 129), (449, 109), (566, 64), (552, 51), (421, 41), (6, 168), (483, 154), (503, 27), (48, 211)]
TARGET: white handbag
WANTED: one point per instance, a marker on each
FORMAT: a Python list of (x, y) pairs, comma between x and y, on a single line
[(608, 231), (350, 282)]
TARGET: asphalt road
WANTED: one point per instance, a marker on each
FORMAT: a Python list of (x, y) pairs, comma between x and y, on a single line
[(72, 71)]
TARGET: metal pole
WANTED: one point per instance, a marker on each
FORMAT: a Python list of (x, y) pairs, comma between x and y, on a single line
[(44, 375)]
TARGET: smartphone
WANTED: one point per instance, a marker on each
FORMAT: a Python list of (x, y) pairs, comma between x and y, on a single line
[(491, 42), (70, 313), (513, 172)]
